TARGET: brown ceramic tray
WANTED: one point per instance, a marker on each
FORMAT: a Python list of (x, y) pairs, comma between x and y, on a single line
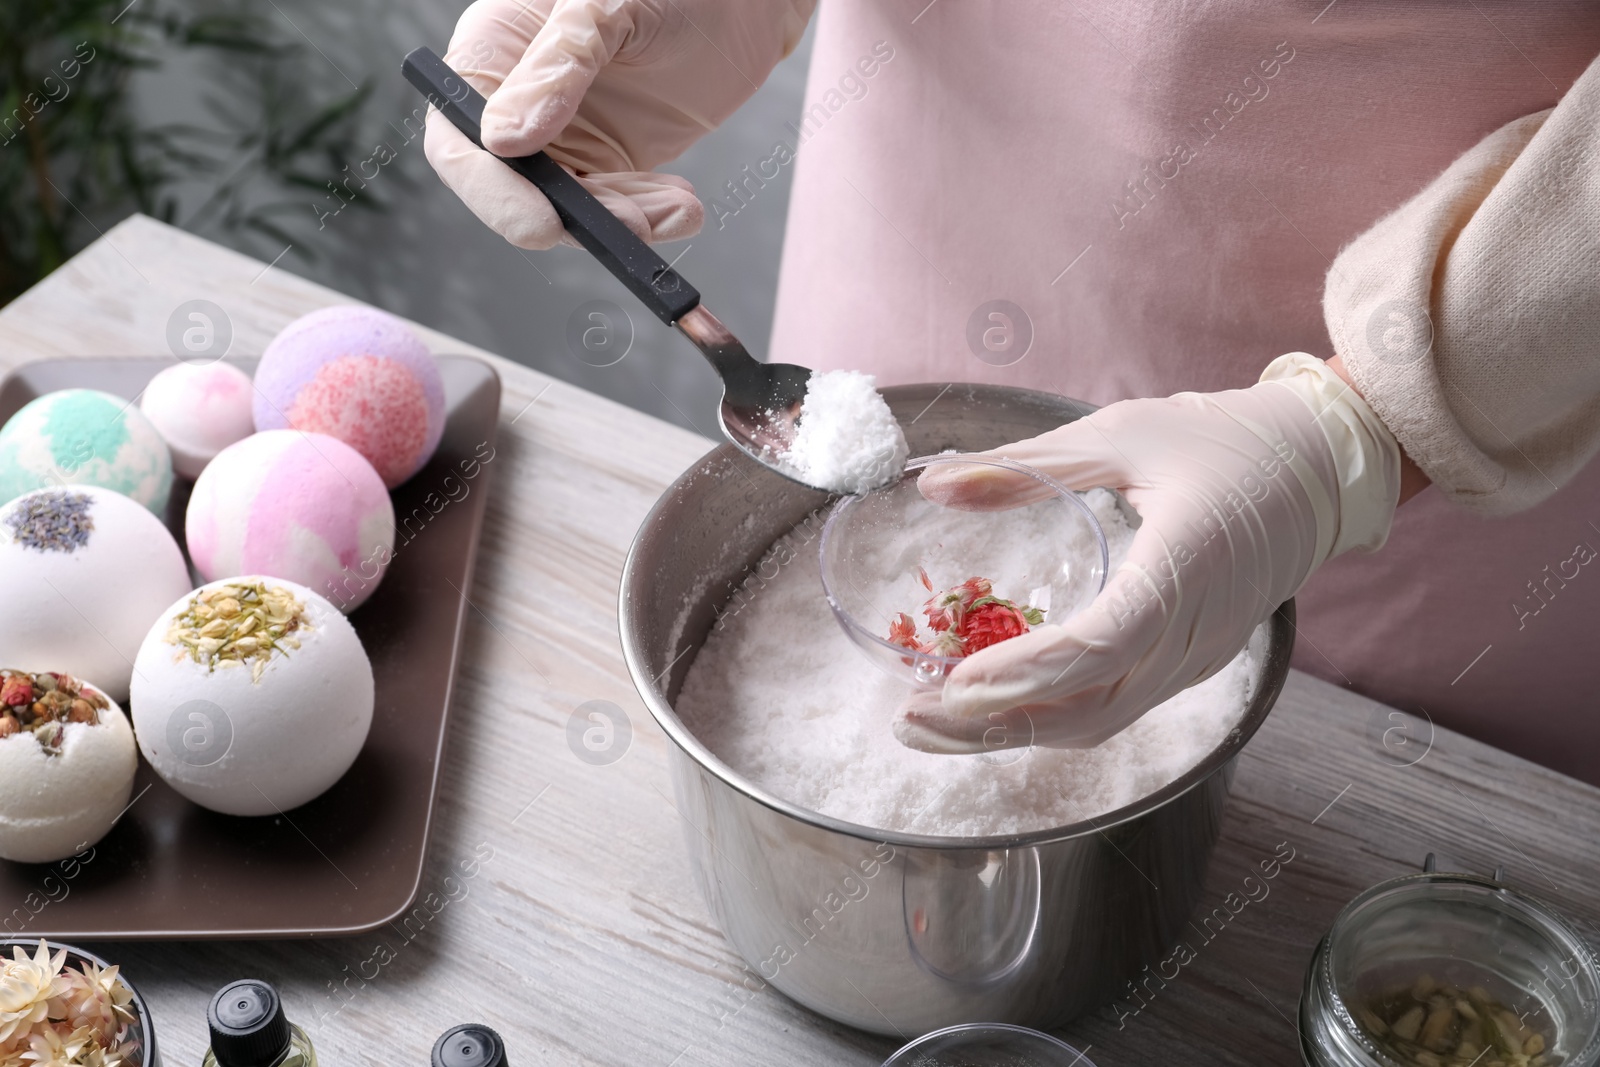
[(352, 858)]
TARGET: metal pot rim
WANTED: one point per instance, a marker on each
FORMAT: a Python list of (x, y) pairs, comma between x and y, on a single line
[(1274, 672)]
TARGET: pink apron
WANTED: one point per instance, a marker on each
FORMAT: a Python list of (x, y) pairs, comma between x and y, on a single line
[(1111, 201)]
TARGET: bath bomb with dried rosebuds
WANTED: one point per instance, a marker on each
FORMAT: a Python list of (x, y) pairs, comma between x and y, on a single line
[(252, 695), (358, 374), (299, 506), (199, 409), (84, 437), (84, 572), (66, 765)]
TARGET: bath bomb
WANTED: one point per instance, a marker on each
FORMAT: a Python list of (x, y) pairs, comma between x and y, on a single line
[(66, 765), (84, 437), (299, 506), (360, 375), (199, 409), (84, 571), (252, 695)]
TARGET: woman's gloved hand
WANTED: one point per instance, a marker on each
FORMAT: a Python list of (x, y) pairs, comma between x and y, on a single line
[(611, 89), (1242, 495)]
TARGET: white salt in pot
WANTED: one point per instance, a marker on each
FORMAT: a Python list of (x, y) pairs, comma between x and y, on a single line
[(905, 933)]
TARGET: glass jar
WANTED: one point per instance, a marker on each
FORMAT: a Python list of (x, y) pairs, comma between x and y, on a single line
[(1436, 969)]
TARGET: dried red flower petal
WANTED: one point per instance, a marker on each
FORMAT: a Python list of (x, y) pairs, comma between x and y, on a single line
[(903, 631), (17, 689), (990, 623), (964, 618)]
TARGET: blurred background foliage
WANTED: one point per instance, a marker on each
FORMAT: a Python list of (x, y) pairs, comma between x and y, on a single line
[(77, 154)]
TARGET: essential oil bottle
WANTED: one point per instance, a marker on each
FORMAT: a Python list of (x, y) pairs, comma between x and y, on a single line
[(249, 1029), (469, 1045)]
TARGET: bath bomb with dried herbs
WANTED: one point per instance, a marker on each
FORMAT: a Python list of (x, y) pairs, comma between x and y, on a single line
[(252, 695), (66, 765), (85, 437), (84, 572)]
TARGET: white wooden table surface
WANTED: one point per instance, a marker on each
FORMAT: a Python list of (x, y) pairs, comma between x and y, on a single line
[(582, 938)]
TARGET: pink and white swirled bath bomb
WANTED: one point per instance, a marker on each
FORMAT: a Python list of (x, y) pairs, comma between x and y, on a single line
[(199, 409), (303, 507), (358, 374)]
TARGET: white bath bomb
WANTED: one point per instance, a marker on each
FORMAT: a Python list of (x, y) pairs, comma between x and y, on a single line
[(85, 571), (59, 797), (252, 695), (199, 409)]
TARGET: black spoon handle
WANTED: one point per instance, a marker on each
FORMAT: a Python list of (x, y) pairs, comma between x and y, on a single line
[(633, 262)]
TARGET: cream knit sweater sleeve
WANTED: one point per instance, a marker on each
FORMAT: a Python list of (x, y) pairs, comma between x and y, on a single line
[(1470, 317)]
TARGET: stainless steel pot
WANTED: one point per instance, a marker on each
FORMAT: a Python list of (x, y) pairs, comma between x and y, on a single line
[(904, 933)]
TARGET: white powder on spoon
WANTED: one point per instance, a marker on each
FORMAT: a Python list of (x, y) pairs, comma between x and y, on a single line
[(846, 440), (780, 694)]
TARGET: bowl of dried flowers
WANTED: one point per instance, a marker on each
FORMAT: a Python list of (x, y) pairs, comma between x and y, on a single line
[(63, 1007), (919, 586)]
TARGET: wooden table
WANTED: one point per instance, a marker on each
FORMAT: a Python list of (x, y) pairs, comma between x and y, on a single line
[(582, 938)]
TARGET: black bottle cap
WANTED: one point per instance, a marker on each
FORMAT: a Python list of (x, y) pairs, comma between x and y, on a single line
[(248, 1027), (469, 1045)]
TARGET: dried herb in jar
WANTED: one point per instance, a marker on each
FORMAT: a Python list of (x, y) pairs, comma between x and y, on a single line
[(1434, 1024)]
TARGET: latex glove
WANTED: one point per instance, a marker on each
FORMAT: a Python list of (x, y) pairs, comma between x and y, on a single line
[(1242, 495), (611, 89)]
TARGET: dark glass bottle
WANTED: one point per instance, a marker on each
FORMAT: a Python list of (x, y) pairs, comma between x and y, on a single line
[(469, 1045), (249, 1029)]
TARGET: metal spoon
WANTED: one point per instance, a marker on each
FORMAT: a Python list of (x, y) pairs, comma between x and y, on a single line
[(760, 401)]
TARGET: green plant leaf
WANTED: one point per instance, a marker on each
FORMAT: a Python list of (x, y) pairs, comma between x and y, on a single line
[(269, 135)]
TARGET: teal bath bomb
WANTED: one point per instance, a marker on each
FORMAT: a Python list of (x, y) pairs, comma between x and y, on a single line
[(85, 437)]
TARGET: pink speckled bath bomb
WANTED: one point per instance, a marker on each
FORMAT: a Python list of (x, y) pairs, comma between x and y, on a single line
[(303, 507), (360, 375)]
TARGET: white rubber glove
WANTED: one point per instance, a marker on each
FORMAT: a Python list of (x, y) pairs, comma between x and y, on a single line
[(1242, 495), (611, 89)]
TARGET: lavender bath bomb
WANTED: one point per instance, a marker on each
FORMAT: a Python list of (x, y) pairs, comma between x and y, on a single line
[(199, 409), (85, 571), (298, 506), (252, 695), (360, 375), (84, 437)]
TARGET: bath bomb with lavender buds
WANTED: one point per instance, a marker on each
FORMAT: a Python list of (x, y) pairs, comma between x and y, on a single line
[(304, 507), (85, 572), (84, 437), (66, 765), (199, 409), (252, 695), (358, 374)]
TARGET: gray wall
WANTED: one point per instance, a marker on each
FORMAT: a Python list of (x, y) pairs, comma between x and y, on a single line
[(429, 259)]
